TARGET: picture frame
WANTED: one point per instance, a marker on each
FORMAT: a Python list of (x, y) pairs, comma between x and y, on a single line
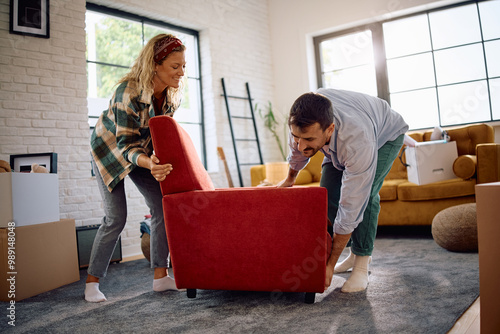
[(22, 162), (29, 17)]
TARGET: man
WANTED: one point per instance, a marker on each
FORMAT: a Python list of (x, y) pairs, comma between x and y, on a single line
[(360, 136)]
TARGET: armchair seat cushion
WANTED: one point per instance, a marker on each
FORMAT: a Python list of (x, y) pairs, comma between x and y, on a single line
[(408, 191)]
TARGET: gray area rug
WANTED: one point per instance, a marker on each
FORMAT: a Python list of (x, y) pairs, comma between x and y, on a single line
[(415, 287)]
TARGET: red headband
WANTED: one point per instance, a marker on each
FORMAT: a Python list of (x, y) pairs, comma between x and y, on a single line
[(164, 47)]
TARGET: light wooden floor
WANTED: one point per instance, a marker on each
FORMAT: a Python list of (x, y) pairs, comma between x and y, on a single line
[(468, 322), (133, 258)]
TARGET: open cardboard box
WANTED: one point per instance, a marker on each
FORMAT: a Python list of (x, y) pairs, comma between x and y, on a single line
[(42, 257), (488, 231), (431, 161)]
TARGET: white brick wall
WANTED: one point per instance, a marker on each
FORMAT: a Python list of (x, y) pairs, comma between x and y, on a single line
[(43, 106)]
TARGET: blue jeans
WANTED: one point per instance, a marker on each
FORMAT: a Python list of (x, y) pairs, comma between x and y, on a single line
[(115, 211), (363, 236)]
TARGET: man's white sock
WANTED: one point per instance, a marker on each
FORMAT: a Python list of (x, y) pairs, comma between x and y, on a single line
[(347, 264), (164, 284), (358, 281), (93, 294)]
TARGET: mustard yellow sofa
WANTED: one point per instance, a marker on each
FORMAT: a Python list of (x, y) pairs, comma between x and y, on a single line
[(309, 176), (405, 203)]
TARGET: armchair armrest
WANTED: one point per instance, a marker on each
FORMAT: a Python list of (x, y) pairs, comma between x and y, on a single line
[(488, 162)]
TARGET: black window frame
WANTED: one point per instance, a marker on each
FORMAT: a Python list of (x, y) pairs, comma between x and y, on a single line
[(144, 20)]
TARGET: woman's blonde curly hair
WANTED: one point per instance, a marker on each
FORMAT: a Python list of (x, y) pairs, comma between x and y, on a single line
[(143, 71)]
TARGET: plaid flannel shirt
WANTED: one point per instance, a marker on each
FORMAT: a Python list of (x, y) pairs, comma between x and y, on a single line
[(122, 133)]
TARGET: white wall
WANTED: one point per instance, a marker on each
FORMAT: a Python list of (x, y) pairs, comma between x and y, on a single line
[(43, 106)]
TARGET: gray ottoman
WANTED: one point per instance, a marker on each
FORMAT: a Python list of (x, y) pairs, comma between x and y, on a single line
[(455, 228)]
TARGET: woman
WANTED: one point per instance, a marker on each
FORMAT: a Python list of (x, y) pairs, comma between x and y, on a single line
[(121, 146)]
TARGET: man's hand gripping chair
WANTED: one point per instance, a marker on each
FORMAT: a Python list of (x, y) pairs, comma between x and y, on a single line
[(249, 239)]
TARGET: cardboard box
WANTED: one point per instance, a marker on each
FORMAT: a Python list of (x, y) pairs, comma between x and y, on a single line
[(28, 198), (431, 161), (42, 257), (488, 232)]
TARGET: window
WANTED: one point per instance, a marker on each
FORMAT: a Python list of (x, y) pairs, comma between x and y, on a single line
[(440, 67), (347, 62), (114, 40)]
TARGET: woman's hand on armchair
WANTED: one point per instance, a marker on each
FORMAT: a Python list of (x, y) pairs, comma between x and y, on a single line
[(159, 172)]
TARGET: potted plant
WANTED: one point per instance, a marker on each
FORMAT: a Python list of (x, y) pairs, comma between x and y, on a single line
[(271, 124), (275, 171)]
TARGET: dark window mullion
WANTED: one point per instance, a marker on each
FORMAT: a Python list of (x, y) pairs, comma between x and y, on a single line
[(107, 64), (485, 61), (379, 54), (344, 68), (319, 62), (434, 69)]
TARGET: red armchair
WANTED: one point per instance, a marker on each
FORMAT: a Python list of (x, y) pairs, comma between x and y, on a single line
[(251, 239)]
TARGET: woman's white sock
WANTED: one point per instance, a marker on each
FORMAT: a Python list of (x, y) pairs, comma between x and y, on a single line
[(93, 294), (164, 284), (358, 281)]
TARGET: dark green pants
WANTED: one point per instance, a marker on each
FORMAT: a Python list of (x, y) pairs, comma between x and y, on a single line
[(363, 236)]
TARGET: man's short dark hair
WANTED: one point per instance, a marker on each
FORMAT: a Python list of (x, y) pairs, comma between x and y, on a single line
[(310, 108)]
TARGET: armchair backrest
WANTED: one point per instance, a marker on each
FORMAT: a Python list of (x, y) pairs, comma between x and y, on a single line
[(172, 144)]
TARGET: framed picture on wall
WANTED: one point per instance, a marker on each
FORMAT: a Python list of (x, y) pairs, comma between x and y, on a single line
[(22, 162), (29, 17)]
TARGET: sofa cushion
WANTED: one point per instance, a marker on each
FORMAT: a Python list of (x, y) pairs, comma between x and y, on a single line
[(465, 166), (468, 137), (304, 177), (173, 145), (398, 169), (389, 190), (408, 191), (315, 165)]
